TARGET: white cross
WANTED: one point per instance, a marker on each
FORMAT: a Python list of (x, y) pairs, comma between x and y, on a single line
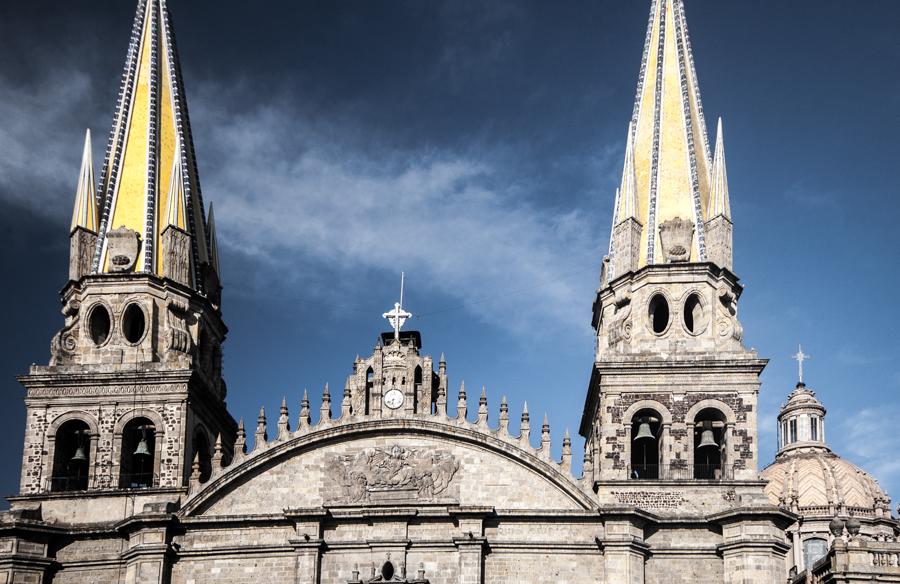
[(397, 317), (800, 357)]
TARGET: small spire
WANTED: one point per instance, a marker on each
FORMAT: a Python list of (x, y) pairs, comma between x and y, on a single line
[(240, 443), (283, 420), (545, 435), (587, 469), (213, 241), (261, 436), (84, 214), (627, 194), (504, 415), (346, 407), (567, 451), (525, 426), (195, 469), (305, 418), (176, 202), (325, 409), (217, 452), (461, 405), (720, 203), (482, 407)]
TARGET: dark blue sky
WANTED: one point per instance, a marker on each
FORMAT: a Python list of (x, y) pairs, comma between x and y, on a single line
[(476, 145)]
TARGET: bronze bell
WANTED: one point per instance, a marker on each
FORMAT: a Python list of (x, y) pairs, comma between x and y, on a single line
[(79, 454), (707, 439), (142, 449), (644, 431)]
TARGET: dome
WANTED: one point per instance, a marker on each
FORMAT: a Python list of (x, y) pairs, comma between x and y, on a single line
[(815, 481)]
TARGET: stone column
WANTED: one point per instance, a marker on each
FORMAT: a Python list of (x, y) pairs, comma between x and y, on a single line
[(23, 560), (665, 447), (754, 550), (307, 544), (147, 558), (471, 559), (624, 552), (797, 550)]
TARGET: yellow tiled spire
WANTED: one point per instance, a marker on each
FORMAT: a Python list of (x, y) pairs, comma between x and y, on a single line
[(84, 214), (627, 195), (150, 148), (669, 145), (720, 203)]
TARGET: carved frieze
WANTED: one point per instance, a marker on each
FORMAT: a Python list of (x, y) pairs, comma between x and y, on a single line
[(392, 475), (103, 390)]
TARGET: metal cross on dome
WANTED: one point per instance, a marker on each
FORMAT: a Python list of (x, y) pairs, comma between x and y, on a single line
[(397, 317), (800, 357)]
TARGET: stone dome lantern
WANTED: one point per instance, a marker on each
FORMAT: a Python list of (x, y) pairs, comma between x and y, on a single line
[(820, 487)]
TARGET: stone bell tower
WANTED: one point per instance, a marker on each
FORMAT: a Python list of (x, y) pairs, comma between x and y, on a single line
[(133, 393), (672, 403)]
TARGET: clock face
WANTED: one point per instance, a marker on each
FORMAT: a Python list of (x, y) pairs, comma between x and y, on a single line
[(393, 398)]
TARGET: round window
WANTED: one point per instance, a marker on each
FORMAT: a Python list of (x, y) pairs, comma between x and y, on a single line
[(387, 571), (133, 323), (659, 314), (99, 324), (694, 317)]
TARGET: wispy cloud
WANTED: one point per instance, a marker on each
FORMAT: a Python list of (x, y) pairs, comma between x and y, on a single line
[(856, 439), (304, 191)]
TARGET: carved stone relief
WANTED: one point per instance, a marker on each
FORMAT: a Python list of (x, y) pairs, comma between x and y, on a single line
[(392, 475), (676, 236), (124, 245)]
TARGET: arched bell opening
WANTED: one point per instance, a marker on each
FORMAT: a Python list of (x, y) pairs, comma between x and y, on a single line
[(370, 386), (138, 458), (709, 444), (200, 451), (417, 387), (645, 445), (71, 460)]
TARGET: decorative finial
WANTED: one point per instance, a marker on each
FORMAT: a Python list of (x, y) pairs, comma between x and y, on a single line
[(397, 317), (800, 357)]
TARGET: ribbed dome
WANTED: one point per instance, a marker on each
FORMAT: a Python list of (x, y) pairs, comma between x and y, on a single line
[(816, 481)]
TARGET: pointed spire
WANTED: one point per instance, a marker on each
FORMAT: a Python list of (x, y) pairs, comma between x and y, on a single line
[(567, 451), (665, 183), (461, 405), (525, 426), (545, 436), (587, 469), (627, 194), (195, 470), (346, 406), (176, 203), (483, 407), (84, 214), (150, 130), (504, 415), (325, 409), (217, 452), (284, 424), (240, 443), (213, 241), (261, 437), (305, 418), (720, 203)]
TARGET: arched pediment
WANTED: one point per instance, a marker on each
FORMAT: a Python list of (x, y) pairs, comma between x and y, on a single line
[(389, 462)]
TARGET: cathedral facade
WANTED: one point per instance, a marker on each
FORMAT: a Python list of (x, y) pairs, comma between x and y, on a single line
[(134, 471)]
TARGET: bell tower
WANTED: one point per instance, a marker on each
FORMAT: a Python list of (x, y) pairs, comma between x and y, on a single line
[(133, 393), (673, 393)]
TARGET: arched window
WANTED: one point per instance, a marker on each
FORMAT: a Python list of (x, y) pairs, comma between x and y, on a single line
[(709, 444), (201, 448), (814, 549), (137, 463), (645, 447), (71, 459)]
